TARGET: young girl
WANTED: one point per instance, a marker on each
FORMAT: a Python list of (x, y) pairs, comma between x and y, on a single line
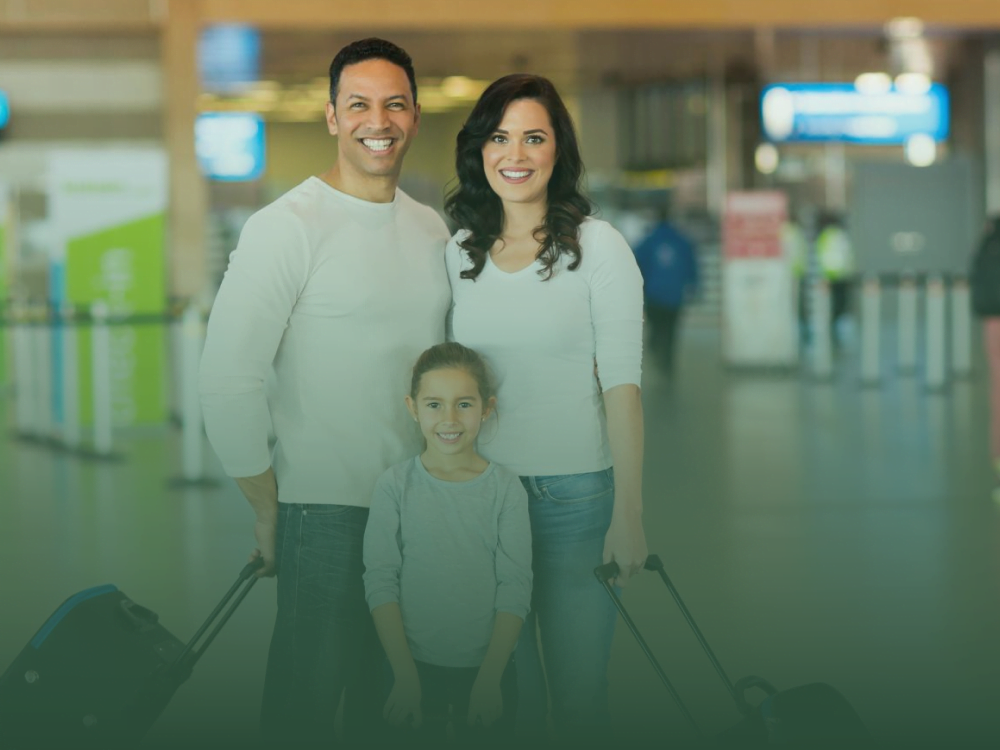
[(448, 560)]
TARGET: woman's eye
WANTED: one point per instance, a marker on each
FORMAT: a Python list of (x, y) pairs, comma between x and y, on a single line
[(535, 139), (499, 139)]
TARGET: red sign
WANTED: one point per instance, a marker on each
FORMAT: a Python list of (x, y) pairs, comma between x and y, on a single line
[(751, 225)]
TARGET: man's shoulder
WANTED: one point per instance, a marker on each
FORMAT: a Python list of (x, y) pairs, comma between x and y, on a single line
[(422, 217), (295, 206)]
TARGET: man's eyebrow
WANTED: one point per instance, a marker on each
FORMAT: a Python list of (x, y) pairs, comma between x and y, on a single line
[(441, 398), (366, 99)]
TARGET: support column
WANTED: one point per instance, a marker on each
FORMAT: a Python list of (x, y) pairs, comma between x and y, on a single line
[(186, 247), (991, 109)]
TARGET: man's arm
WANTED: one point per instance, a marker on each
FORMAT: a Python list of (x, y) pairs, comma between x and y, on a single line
[(265, 276), (262, 493)]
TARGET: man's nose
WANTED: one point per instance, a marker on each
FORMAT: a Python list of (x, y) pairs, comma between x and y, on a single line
[(379, 118)]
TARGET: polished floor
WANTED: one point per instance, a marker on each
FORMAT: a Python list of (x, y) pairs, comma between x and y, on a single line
[(818, 531)]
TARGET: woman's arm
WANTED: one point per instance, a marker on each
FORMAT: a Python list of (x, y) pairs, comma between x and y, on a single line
[(625, 542)]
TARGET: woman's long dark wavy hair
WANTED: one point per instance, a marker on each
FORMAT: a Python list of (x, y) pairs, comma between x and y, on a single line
[(473, 205)]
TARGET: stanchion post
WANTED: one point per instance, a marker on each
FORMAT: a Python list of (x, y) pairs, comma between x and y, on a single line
[(961, 328), (907, 351), (24, 382), (822, 354), (70, 381), (100, 348), (935, 359), (42, 345), (871, 323), (192, 330)]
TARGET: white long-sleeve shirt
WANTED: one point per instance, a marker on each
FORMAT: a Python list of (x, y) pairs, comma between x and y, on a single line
[(541, 339), (341, 295)]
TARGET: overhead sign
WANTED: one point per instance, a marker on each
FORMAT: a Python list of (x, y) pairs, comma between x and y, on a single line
[(230, 145), (840, 112), (228, 57), (4, 110)]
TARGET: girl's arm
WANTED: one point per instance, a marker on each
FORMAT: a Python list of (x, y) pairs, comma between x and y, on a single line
[(383, 561), (625, 542), (506, 629), (513, 599)]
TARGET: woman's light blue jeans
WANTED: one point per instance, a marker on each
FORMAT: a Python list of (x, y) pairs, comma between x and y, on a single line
[(571, 613)]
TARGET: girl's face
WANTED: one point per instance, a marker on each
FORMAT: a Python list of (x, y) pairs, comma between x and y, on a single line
[(519, 157), (450, 410)]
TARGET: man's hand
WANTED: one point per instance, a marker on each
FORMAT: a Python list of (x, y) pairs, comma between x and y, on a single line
[(625, 543), (404, 701), (486, 701), (265, 532), (262, 493)]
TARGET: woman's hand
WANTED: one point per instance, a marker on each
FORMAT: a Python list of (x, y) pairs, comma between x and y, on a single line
[(625, 542)]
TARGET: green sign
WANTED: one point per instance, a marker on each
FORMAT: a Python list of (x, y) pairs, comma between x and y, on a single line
[(124, 268)]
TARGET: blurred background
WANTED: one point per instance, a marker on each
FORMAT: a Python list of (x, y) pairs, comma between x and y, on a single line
[(804, 185)]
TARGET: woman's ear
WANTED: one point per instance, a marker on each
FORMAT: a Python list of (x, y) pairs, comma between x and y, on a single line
[(412, 408)]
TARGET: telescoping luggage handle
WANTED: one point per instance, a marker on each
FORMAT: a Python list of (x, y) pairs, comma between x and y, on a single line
[(608, 572), (247, 578)]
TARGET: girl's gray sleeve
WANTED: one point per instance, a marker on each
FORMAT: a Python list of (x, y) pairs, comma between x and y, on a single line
[(513, 558), (382, 556)]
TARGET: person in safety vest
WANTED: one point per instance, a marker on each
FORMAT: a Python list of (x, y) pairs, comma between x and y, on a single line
[(835, 259)]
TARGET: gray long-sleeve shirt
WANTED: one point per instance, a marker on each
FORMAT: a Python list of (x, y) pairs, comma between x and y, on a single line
[(452, 554)]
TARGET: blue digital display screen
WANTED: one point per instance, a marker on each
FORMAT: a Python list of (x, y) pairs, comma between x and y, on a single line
[(4, 110), (792, 112), (228, 57), (230, 145)]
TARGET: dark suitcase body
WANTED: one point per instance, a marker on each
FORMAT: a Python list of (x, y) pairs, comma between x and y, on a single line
[(809, 716), (100, 671)]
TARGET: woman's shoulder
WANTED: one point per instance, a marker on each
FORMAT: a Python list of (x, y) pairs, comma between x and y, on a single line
[(601, 243)]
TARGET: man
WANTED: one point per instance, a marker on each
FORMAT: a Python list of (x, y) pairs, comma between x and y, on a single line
[(339, 285), (669, 268)]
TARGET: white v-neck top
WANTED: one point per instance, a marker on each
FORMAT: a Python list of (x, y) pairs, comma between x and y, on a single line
[(541, 339)]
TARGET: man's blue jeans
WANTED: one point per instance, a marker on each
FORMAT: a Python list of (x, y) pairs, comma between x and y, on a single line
[(324, 641), (570, 516)]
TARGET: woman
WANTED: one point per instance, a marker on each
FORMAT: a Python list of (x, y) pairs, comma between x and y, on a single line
[(553, 299)]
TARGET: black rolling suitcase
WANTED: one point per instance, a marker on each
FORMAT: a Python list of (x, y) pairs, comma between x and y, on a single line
[(100, 671), (809, 716)]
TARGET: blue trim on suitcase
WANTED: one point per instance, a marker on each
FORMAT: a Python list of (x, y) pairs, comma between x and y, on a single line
[(65, 609)]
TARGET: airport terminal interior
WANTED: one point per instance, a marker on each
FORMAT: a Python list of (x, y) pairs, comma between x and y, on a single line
[(818, 481)]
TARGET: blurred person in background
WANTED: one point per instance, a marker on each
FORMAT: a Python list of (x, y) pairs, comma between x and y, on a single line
[(340, 284), (543, 290), (836, 263), (985, 289), (666, 258)]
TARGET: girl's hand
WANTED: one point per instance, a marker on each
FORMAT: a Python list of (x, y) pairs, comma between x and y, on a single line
[(625, 543), (404, 701), (486, 701)]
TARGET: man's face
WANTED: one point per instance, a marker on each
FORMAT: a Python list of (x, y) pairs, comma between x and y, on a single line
[(375, 118)]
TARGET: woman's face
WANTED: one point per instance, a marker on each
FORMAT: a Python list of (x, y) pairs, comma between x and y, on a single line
[(519, 156)]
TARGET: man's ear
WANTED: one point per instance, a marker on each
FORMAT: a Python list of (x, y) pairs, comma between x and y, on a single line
[(416, 119), (412, 408), (331, 118)]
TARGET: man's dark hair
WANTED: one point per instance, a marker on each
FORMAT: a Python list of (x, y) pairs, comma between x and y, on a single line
[(370, 49)]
